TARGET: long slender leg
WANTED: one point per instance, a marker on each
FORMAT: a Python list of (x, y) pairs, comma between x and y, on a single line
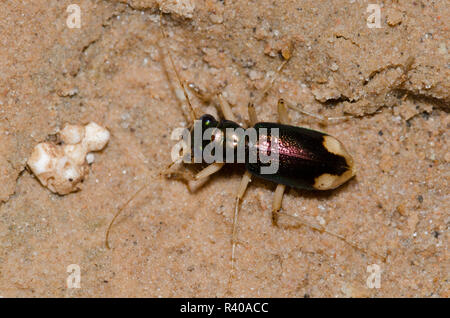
[(269, 84), (246, 178), (321, 118), (290, 221), (225, 107), (266, 87)]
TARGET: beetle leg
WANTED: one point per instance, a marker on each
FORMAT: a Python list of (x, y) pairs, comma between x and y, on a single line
[(246, 178), (202, 176), (266, 87), (269, 82), (209, 170), (226, 108), (283, 116), (253, 118), (291, 221), (321, 118), (276, 205)]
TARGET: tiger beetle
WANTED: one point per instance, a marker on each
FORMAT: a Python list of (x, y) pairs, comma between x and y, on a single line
[(308, 159)]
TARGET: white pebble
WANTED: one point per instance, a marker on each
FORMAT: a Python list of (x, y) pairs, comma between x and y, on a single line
[(61, 167), (90, 158)]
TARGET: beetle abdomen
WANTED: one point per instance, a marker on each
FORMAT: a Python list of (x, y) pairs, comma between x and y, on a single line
[(307, 159)]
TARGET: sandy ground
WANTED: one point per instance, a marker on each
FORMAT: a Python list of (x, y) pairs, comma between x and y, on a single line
[(173, 242)]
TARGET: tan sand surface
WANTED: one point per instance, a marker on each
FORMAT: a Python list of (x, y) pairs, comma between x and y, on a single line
[(172, 242)]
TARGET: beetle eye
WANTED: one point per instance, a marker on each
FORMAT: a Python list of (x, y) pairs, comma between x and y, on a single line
[(208, 121)]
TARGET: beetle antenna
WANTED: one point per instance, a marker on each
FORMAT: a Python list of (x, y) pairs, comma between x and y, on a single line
[(120, 212), (180, 82), (126, 204)]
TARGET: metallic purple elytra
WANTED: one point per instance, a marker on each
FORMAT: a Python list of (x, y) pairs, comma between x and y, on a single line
[(307, 159)]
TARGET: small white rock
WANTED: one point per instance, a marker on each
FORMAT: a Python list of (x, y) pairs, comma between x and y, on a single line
[(72, 134), (61, 167), (96, 137), (90, 158)]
